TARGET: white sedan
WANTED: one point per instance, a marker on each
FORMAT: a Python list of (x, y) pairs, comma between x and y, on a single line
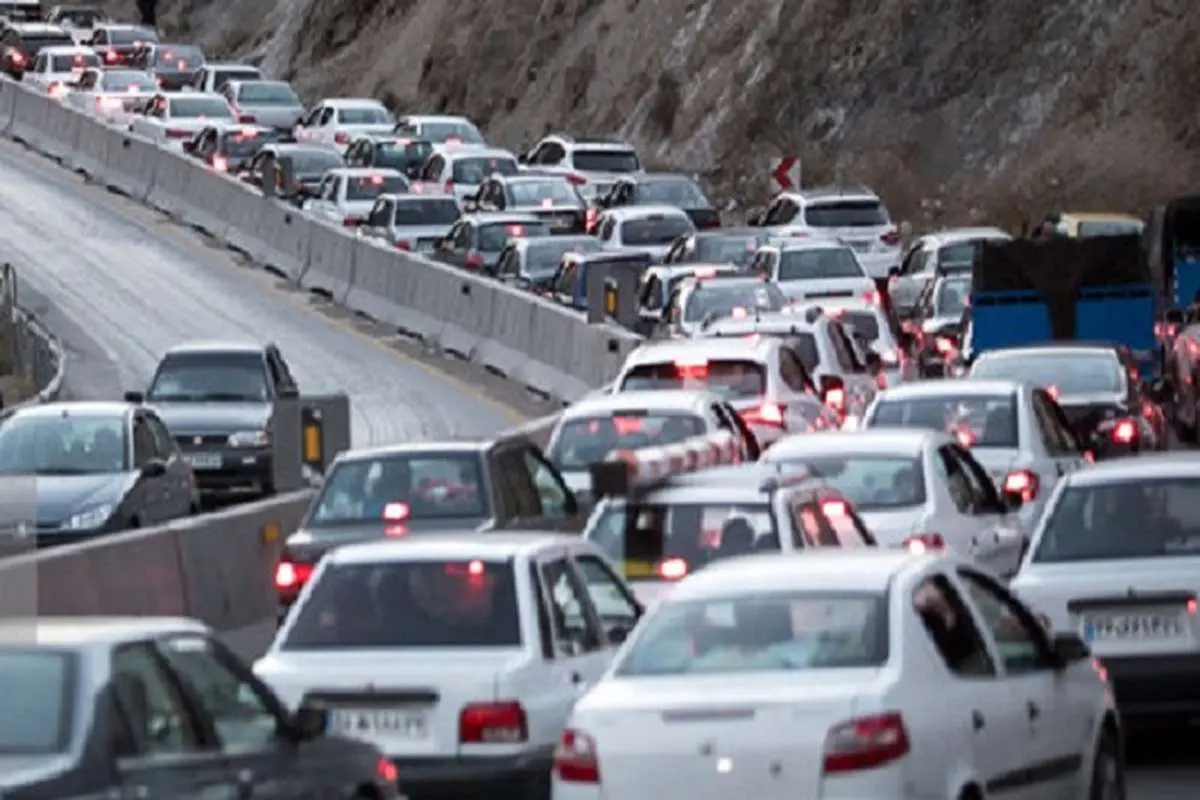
[(843, 674), (110, 95), (347, 195), (171, 118), (917, 489), (55, 68)]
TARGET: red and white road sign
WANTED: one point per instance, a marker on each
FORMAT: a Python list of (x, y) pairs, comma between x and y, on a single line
[(785, 173)]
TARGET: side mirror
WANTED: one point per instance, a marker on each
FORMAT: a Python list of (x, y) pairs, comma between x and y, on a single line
[(135, 397), (288, 392), (1069, 648), (309, 722), (894, 271), (154, 469)]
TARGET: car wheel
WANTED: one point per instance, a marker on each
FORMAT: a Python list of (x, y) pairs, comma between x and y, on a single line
[(1108, 770)]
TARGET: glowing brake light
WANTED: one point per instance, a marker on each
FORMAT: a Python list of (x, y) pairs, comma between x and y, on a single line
[(766, 414), (673, 569), (1052, 391), (865, 743), (924, 543), (836, 399), (341, 137), (376, 180), (705, 272), (891, 238), (111, 57), (1125, 432), (945, 346), (547, 202), (738, 313), (516, 230), (835, 509), (872, 298), (1021, 482), (220, 164), (576, 180), (292, 575)]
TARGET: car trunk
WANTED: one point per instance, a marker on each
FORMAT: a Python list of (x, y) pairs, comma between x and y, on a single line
[(891, 527), (561, 220), (282, 118), (356, 131), (1086, 412), (681, 737), (826, 288), (174, 79), (421, 238), (998, 461)]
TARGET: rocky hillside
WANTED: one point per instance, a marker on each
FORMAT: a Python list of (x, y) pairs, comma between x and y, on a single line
[(955, 110)]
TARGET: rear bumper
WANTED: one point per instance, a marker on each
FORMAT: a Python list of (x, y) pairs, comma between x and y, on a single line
[(500, 777), (1155, 688)]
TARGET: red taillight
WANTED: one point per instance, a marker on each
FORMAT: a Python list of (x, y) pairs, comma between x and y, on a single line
[(872, 298), (766, 414), (924, 542), (405, 246), (1053, 392), (673, 569), (175, 133), (1022, 482), (945, 346), (386, 771), (341, 137), (291, 575), (350, 222), (836, 399), (576, 180), (865, 743), (112, 57), (891, 238), (474, 260), (220, 164), (590, 219), (247, 118), (576, 759), (448, 187), (1125, 432), (492, 723)]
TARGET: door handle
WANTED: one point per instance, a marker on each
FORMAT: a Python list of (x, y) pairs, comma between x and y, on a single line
[(977, 720), (1034, 711)]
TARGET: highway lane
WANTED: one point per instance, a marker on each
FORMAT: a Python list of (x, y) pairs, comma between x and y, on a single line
[(132, 284)]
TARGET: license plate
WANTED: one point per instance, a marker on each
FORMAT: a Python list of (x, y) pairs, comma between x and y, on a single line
[(426, 245), (563, 222), (203, 460), (366, 723), (1167, 626)]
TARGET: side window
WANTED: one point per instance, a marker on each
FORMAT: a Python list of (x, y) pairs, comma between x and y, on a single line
[(607, 227), (792, 372), (909, 265), (1051, 436), (326, 117), (981, 483), (951, 472), (164, 444), (775, 214), (465, 238), (565, 283), (811, 525), (553, 154), (574, 631), (847, 528), (613, 602), (517, 484), (144, 446), (433, 169), (240, 708), (545, 630), (841, 350), (1020, 640), (552, 492), (952, 629), (159, 722), (840, 336), (1073, 445)]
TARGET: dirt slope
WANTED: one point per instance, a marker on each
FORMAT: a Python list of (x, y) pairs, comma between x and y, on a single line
[(953, 109)]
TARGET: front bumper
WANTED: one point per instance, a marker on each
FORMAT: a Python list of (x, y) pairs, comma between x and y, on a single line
[(1155, 688), (500, 777), (232, 470)]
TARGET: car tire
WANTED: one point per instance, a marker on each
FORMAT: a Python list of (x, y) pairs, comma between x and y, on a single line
[(1108, 770)]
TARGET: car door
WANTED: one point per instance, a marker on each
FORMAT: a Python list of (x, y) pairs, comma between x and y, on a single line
[(1000, 539), (559, 508), (1055, 453), (574, 624), (861, 386), (959, 526), (148, 499), (154, 736), (617, 610), (1058, 728), (179, 482)]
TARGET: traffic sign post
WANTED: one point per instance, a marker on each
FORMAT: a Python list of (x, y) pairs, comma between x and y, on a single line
[(785, 173)]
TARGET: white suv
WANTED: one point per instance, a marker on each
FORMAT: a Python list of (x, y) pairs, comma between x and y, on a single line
[(592, 165), (856, 217)]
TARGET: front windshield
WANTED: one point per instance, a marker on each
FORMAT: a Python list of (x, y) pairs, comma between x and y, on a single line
[(37, 706), (731, 378), (364, 115), (666, 542), (761, 632), (1068, 372), (654, 231), (975, 420), (819, 264), (678, 192), (869, 481), (1139, 518), (717, 301), (548, 192), (267, 94), (736, 249), (397, 488), (586, 440), (181, 57), (210, 377), (951, 298), (197, 107), (63, 444)]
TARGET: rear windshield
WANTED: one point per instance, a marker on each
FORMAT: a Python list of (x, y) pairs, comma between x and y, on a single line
[(126, 80), (80, 17), (587, 440), (224, 76), (313, 162), (132, 36), (267, 94), (805, 345), (395, 488), (248, 142), (210, 377), (1110, 228), (731, 378), (951, 298), (717, 301), (427, 211), (446, 131), (679, 192), (474, 171), (35, 44), (409, 604), (733, 249), (37, 705), (551, 192), (494, 237), (1066, 372), (847, 214), (957, 257), (815, 265), (976, 420), (542, 258), (401, 155), (22, 12), (654, 230), (179, 57), (368, 187), (666, 542), (761, 632), (74, 62), (864, 323), (193, 107), (1137, 519), (870, 482), (606, 161), (364, 115)]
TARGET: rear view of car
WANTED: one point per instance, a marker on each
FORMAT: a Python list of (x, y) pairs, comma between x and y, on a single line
[(173, 65), (272, 104), (419, 222), (552, 199), (860, 221), (22, 43)]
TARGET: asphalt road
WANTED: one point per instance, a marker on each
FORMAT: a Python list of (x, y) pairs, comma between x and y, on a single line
[(120, 284)]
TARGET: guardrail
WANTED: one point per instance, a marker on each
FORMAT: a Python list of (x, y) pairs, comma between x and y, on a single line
[(549, 349), (34, 352)]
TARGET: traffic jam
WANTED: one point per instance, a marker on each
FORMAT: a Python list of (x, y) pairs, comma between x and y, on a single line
[(867, 515)]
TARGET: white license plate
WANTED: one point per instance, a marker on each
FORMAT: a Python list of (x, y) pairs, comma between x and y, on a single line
[(203, 460), (369, 723), (1166, 626)]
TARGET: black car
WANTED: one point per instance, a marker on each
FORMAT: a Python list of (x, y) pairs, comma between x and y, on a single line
[(117, 43), (217, 400), (398, 153), (477, 240), (735, 246), (550, 198), (95, 468), (412, 489), (534, 263), (229, 148), (172, 65), (158, 708), (22, 41), (308, 165), (663, 189)]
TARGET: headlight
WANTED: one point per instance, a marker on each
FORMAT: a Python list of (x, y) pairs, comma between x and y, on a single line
[(249, 439), (92, 518)]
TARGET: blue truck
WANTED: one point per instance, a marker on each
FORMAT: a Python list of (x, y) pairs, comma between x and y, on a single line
[(1172, 244), (1028, 292)]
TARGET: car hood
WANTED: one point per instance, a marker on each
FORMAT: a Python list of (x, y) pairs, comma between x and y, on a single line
[(60, 496), (17, 772), (191, 418)]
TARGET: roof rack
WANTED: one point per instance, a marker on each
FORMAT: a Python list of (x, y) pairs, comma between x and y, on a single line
[(623, 471)]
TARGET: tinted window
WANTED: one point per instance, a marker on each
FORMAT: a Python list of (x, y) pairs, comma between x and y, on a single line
[(668, 541), (542, 257), (21, 12), (1140, 518), (1067, 372), (398, 487), (132, 36), (761, 632), (441, 132), (805, 345), (127, 80), (585, 441), (730, 378), (474, 171), (807, 265), (222, 77), (314, 162), (35, 44), (38, 701), (74, 62), (957, 257), (493, 238), (951, 298), (179, 57), (864, 323), (368, 187), (201, 377), (606, 161), (72, 444), (552, 191), (364, 115), (267, 94), (679, 192), (654, 230), (848, 214), (402, 155), (1110, 228), (80, 17), (246, 143), (191, 107), (409, 604), (426, 211), (733, 249), (718, 301), (976, 420), (870, 482)]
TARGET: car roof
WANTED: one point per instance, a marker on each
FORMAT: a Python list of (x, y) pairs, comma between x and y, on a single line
[(361, 172), (1150, 466), (419, 118), (525, 242), (493, 217), (909, 441), (457, 151), (960, 235), (649, 401), (464, 545), (865, 569), (217, 346), (808, 243), (79, 631), (963, 386), (352, 102), (1053, 348), (641, 212), (715, 349), (102, 408)]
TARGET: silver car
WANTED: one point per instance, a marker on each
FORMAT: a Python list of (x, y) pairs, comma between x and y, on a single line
[(271, 104), (643, 229), (412, 222)]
